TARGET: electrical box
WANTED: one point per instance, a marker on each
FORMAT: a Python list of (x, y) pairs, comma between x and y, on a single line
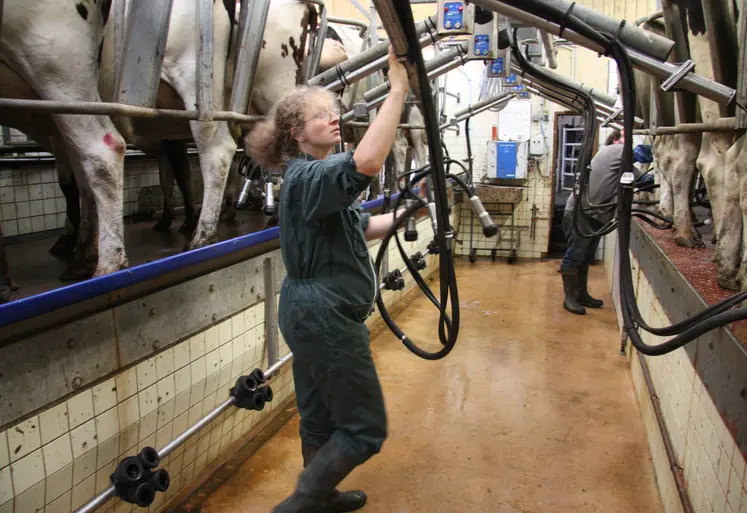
[(507, 159), (483, 44), (537, 145), (455, 17), (501, 65)]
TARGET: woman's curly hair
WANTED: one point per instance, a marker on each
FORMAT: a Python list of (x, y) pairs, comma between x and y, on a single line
[(271, 142)]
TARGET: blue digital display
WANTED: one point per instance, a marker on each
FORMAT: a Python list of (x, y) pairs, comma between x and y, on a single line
[(453, 15), (482, 45)]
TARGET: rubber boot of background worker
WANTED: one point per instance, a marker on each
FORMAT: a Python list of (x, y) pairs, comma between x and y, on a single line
[(571, 289), (337, 502), (583, 294)]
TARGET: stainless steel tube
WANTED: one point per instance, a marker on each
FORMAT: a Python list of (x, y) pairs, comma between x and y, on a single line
[(109, 492), (370, 67), (487, 103), (370, 55), (458, 52), (663, 70), (248, 58), (721, 125), (117, 109)]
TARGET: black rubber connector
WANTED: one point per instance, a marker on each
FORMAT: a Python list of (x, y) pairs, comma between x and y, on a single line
[(258, 376), (149, 457), (129, 470), (161, 480), (248, 393), (141, 494)]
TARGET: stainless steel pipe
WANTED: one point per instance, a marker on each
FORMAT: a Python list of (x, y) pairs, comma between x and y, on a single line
[(371, 67), (363, 58), (110, 492), (721, 125), (458, 52), (663, 70), (549, 49), (475, 108), (311, 64), (598, 95)]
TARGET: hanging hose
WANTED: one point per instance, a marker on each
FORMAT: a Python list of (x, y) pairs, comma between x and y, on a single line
[(712, 317)]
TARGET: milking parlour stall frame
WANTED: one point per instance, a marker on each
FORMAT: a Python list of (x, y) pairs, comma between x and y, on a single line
[(223, 297)]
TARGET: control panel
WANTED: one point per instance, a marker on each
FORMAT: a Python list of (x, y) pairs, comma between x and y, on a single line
[(483, 45), (500, 66), (455, 17), (507, 159), (512, 79)]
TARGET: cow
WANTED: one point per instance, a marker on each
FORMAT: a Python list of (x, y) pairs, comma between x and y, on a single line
[(49, 50), (93, 146), (720, 157)]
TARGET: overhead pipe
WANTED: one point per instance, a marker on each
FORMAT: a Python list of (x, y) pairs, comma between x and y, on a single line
[(344, 79), (598, 95), (483, 105), (720, 125), (458, 54), (696, 84), (110, 492), (369, 106), (363, 58), (253, 20)]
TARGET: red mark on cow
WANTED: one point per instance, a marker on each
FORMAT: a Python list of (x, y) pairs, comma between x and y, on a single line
[(117, 146)]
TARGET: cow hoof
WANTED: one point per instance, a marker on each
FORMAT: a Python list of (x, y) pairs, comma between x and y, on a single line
[(689, 242), (108, 270), (713, 240), (77, 272), (228, 216), (64, 247), (162, 226), (729, 283), (200, 243), (4, 293)]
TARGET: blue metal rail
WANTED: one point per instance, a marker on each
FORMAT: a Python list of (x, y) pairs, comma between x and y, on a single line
[(108, 286)]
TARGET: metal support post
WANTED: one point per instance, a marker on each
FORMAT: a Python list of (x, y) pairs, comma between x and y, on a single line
[(205, 61), (316, 43), (549, 49), (142, 57), (254, 20), (721, 125), (271, 312), (741, 115), (719, 93)]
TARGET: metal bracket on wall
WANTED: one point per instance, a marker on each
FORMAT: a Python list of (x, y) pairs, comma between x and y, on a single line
[(271, 323)]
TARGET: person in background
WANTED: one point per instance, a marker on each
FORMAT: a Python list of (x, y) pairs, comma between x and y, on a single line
[(602, 188), (330, 287)]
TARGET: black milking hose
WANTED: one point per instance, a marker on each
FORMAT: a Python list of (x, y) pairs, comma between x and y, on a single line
[(695, 326)]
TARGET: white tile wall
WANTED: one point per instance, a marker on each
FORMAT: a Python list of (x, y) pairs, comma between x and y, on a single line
[(713, 465)]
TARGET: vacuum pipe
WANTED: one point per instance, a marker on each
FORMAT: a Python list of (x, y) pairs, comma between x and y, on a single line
[(376, 52)]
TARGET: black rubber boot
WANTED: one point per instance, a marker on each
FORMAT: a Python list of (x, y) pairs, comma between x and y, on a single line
[(583, 294), (316, 484), (570, 286), (337, 502)]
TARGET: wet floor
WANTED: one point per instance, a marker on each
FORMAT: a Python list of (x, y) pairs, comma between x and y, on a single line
[(533, 411)]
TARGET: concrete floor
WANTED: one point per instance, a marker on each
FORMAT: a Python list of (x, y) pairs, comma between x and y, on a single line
[(533, 411)]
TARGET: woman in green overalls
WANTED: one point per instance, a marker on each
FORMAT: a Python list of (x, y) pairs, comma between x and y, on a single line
[(330, 287)]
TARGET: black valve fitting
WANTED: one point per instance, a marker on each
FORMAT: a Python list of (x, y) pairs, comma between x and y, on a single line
[(433, 248), (394, 281), (249, 394), (134, 480), (418, 261)]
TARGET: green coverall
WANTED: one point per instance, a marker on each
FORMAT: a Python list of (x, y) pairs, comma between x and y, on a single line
[(329, 291)]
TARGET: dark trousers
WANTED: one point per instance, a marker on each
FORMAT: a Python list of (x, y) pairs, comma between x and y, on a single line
[(338, 392), (580, 251)]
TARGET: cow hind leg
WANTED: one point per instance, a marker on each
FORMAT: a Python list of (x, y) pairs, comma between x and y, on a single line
[(176, 152), (216, 147), (64, 247), (6, 283), (166, 178), (682, 176)]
